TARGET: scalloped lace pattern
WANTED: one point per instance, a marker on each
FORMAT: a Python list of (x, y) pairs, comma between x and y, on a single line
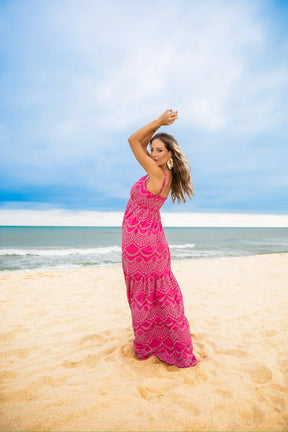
[(154, 296)]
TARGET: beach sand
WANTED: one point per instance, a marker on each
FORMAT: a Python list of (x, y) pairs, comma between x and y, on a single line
[(67, 361)]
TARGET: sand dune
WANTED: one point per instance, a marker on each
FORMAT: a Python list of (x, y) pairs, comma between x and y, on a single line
[(67, 361)]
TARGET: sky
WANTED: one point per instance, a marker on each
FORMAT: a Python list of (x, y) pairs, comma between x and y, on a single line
[(77, 78)]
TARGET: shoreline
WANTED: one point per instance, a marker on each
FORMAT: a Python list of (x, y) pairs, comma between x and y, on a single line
[(67, 360), (100, 266)]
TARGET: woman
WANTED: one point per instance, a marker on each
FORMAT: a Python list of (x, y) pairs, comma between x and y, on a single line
[(156, 303)]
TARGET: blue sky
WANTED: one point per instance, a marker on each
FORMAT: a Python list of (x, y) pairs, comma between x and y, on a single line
[(78, 77)]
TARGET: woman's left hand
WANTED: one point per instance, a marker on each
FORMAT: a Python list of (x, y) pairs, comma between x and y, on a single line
[(168, 117)]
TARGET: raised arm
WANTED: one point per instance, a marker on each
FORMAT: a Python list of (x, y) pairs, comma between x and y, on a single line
[(140, 139)]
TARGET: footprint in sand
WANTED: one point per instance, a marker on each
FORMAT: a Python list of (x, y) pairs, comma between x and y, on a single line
[(98, 338), (107, 332), (150, 394), (144, 414), (279, 404), (19, 396), (269, 333), (151, 390), (157, 392), (279, 388), (95, 339), (260, 375), (67, 364), (234, 352), (226, 394), (127, 351), (49, 381), (203, 346), (189, 406), (200, 376), (7, 336), (21, 353), (258, 415), (252, 414), (104, 345), (91, 360), (7, 375)]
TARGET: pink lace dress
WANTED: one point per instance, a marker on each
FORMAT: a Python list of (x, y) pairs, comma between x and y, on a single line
[(156, 303)]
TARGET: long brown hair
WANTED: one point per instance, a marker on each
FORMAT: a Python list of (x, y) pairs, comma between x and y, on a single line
[(181, 186)]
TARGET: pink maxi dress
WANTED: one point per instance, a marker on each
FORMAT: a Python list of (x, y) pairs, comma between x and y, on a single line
[(159, 323)]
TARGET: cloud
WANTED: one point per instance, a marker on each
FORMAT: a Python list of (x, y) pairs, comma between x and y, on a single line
[(77, 78), (100, 65), (61, 217)]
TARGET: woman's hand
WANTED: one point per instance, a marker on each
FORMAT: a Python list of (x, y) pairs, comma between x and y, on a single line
[(168, 117)]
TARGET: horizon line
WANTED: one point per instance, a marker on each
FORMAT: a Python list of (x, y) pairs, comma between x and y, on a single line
[(90, 218), (119, 226)]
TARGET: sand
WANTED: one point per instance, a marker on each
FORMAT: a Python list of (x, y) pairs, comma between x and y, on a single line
[(67, 361)]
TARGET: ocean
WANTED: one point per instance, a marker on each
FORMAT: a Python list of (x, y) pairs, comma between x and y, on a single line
[(49, 248)]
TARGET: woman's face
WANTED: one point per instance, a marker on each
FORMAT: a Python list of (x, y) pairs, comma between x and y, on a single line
[(159, 152)]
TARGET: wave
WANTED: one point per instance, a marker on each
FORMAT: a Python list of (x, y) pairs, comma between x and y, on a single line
[(183, 246), (74, 251), (61, 252)]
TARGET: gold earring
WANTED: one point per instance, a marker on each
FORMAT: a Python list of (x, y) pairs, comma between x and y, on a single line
[(170, 163)]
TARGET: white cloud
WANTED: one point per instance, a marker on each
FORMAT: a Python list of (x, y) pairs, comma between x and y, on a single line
[(98, 69), (112, 64), (60, 217)]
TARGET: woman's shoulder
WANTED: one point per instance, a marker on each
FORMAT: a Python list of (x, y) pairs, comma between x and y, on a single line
[(159, 185)]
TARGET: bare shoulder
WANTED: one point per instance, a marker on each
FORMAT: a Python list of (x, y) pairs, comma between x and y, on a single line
[(155, 182)]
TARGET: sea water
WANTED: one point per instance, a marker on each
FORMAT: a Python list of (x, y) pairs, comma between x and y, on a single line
[(51, 248)]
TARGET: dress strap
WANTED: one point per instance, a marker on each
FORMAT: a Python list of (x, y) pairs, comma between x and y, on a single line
[(164, 182)]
